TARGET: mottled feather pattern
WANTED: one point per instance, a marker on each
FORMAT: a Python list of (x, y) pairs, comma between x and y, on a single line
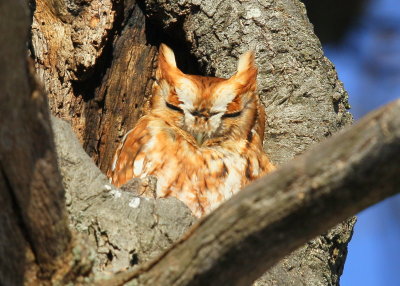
[(201, 138)]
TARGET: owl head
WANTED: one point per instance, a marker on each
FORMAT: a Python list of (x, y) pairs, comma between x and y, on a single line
[(207, 107)]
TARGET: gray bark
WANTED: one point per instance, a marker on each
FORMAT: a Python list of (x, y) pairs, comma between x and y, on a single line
[(124, 229)]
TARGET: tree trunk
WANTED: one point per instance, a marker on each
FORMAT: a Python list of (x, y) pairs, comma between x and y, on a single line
[(96, 60), (34, 236), (119, 100), (96, 65)]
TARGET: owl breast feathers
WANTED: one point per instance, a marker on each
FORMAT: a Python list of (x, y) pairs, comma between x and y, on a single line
[(201, 137)]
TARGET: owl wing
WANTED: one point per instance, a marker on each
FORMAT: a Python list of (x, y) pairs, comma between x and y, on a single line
[(130, 158), (260, 124)]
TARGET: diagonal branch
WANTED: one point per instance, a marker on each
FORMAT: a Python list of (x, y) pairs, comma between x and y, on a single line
[(269, 219)]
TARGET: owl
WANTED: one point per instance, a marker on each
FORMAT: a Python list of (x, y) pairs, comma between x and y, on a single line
[(201, 136)]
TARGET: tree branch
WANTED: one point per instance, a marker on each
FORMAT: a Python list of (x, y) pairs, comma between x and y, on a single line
[(269, 219), (34, 231)]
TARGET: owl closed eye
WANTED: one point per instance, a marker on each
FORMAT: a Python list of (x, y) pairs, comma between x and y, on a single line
[(202, 136)]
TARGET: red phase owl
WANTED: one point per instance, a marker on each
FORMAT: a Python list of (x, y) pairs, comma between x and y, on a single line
[(201, 137)]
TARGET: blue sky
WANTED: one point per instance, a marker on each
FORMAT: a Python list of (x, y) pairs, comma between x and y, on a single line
[(368, 63)]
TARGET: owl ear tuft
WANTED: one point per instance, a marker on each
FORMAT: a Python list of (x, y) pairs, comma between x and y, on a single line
[(166, 55), (246, 62), (167, 68), (246, 75)]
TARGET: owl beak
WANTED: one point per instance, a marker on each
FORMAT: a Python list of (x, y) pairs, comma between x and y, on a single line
[(200, 138)]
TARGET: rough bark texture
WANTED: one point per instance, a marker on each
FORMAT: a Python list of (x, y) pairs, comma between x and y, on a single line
[(124, 229), (68, 39), (93, 59), (34, 235), (119, 100), (275, 215)]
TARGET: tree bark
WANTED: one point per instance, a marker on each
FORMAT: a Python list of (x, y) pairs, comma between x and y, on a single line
[(34, 236), (68, 40), (118, 102), (123, 229), (305, 103), (96, 65), (270, 218), (89, 78), (96, 59)]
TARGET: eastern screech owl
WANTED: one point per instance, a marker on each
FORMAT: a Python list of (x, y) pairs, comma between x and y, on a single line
[(202, 136)]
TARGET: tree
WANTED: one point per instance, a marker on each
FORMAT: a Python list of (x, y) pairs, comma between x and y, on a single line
[(96, 60)]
